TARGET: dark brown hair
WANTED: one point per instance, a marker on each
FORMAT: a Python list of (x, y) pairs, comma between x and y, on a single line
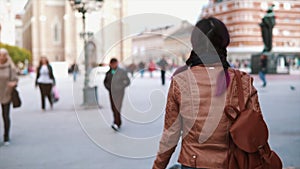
[(43, 57)]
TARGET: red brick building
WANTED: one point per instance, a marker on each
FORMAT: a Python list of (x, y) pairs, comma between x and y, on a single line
[(242, 18)]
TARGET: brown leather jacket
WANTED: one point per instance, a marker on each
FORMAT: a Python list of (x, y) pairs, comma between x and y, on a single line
[(195, 114)]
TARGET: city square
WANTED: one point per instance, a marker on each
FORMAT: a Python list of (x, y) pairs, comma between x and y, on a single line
[(56, 139), (107, 71)]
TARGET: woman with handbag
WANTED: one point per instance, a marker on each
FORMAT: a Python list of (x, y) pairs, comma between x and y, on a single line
[(45, 80), (198, 94), (8, 80)]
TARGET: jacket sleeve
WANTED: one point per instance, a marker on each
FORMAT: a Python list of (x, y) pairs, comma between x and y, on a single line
[(14, 76), (172, 129), (126, 79), (52, 75), (37, 75), (107, 81)]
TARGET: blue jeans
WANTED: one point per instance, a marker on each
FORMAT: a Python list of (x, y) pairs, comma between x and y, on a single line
[(262, 76), (74, 76)]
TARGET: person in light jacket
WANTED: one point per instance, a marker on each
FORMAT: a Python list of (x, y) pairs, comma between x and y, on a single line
[(197, 96), (8, 80), (45, 80)]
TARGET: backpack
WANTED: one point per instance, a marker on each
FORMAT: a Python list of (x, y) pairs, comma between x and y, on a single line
[(248, 137)]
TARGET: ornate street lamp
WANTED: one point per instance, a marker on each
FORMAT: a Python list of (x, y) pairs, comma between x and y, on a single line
[(84, 6)]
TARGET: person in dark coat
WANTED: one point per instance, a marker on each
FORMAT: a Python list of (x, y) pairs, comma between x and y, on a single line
[(163, 64), (74, 70), (116, 80), (45, 80), (142, 68), (263, 69)]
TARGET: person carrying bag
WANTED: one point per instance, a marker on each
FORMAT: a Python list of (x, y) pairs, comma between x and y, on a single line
[(15, 98), (8, 93), (248, 143)]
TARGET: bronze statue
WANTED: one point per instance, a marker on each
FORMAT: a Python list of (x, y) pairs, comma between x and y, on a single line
[(267, 25)]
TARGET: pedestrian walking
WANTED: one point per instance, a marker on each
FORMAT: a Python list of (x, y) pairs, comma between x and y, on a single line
[(151, 68), (196, 100), (132, 68), (116, 80), (163, 64), (74, 70), (45, 80), (8, 80), (142, 68), (263, 69)]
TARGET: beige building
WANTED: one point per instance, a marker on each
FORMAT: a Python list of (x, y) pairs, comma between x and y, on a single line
[(19, 31), (171, 41), (179, 42), (112, 37), (7, 22), (44, 29), (51, 28)]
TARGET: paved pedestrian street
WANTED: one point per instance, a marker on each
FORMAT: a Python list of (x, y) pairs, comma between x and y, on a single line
[(75, 137)]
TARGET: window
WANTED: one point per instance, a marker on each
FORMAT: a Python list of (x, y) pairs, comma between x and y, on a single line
[(246, 4), (276, 31), (224, 8), (287, 6), (236, 4), (217, 8), (264, 5), (56, 31), (286, 20), (276, 5), (286, 33)]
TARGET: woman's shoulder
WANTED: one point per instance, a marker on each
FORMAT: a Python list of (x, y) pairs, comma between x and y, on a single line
[(247, 80), (244, 75), (180, 70)]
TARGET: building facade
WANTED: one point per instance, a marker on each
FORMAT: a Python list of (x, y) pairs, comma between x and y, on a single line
[(7, 22), (242, 18), (172, 42), (18, 30), (52, 28), (44, 30)]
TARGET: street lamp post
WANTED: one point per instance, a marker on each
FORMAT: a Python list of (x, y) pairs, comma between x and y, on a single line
[(84, 6)]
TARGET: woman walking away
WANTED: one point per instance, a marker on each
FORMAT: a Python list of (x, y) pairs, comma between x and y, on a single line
[(196, 100), (8, 80), (45, 80)]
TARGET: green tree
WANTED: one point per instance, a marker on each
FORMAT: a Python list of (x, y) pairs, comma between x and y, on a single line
[(17, 54)]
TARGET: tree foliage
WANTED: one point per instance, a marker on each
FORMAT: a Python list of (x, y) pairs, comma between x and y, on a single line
[(16, 53)]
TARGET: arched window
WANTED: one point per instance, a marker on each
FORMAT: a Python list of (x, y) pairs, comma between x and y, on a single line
[(56, 31)]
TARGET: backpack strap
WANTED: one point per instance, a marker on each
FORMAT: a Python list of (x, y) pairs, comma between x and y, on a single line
[(240, 90), (231, 111)]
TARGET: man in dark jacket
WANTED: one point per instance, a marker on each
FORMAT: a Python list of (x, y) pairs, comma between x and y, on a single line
[(263, 69), (163, 64), (116, 80)]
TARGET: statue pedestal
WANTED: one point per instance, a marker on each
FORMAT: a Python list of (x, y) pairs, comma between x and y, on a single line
[(272, 63)]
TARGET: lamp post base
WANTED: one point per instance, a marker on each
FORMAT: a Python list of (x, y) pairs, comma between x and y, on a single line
[(90, 96)]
